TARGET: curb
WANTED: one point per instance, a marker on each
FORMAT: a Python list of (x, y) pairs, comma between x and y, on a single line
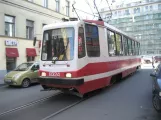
[(1, 85)]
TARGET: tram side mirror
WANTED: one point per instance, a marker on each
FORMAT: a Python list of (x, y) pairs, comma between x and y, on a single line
[(34, 42)]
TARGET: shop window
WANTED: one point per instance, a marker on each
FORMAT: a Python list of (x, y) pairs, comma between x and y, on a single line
[(9, 25), (30, 58), (10, 63), (111, 43), (29, 29), (92, 41)]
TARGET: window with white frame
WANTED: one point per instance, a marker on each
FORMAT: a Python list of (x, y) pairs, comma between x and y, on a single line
[(45, 3), (29, 29), (57, 5), (67, 7), (9, 25)]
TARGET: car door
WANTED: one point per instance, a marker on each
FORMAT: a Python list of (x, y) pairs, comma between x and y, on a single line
[(157, 78), (34, 72)]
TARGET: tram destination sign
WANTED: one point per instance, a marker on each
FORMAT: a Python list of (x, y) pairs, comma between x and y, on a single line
[(11, 42)]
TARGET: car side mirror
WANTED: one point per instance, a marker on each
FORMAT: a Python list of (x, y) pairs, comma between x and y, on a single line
[(34, 68), (153, 75), (34, 42)]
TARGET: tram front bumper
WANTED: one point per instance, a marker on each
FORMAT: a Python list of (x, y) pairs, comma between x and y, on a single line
[(61, 81)]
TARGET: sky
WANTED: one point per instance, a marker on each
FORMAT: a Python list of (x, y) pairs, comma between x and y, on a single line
[(88, 6)]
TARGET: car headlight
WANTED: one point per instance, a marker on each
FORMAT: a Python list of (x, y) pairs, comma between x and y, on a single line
[(160, 94), (16, 76)]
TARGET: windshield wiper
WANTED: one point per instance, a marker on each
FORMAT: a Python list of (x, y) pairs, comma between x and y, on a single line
[(61, 52)]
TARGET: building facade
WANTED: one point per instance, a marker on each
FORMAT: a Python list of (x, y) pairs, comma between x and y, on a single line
[(138, 18), (20, 22)]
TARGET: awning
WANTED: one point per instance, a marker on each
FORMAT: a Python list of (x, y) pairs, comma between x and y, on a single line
[(31, 52), (12, 52)]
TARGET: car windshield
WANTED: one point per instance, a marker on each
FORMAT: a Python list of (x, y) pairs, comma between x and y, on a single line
[(23, 67), (58, 44)]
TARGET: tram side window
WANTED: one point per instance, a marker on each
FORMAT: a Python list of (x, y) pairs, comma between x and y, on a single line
[(81, 43), (92, 41), (138, 48), (130, 46), (135, 48), (111, 43), (125, 44), (119, 45)]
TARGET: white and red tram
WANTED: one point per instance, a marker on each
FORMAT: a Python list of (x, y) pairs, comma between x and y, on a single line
[(85, 56)]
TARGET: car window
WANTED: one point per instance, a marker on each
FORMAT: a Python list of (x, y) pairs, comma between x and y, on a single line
[(158, 70), (36, 65)]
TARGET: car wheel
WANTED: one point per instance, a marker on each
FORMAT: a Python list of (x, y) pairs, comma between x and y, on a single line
[(25, 83), (157, 103)]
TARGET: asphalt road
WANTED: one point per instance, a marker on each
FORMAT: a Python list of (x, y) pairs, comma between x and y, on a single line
[(129, 99), (11, 97)]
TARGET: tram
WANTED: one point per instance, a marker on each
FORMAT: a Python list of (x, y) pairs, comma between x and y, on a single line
[(83, 56)]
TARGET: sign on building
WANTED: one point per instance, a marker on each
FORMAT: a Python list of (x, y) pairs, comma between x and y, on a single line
[(11, 42)]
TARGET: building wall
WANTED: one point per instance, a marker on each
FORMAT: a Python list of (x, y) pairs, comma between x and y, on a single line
[(24, 10), (145, 25), (22, 45)]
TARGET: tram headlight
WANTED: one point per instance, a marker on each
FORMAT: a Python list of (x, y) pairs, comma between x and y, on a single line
[(43, 74), (68, 75)]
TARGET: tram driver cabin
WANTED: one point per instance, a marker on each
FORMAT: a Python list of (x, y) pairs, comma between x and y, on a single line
[(83, 56)]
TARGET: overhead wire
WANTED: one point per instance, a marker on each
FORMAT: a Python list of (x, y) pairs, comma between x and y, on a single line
[(110, 11), (90, 8)]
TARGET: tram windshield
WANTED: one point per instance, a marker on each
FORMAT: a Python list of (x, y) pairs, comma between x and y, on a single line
[(58, 45)]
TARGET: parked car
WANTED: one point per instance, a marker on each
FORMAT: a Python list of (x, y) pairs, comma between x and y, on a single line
[(157, 58), (156, 90), (146, 59), (23, 75)]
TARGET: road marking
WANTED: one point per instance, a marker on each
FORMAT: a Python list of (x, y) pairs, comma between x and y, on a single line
[(28, 104)]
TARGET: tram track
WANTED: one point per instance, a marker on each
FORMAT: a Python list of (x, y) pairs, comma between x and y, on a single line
[(28, 104), (63, 109), (44, 109)]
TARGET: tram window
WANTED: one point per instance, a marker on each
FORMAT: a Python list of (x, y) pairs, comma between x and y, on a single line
[(125, 44), (119, 49), (81, 43), (130, 46), (138, 48), (92, 41), (111, 43), (134, 48)]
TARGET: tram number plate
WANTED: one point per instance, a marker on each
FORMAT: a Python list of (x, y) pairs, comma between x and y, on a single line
[(55, 74)]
